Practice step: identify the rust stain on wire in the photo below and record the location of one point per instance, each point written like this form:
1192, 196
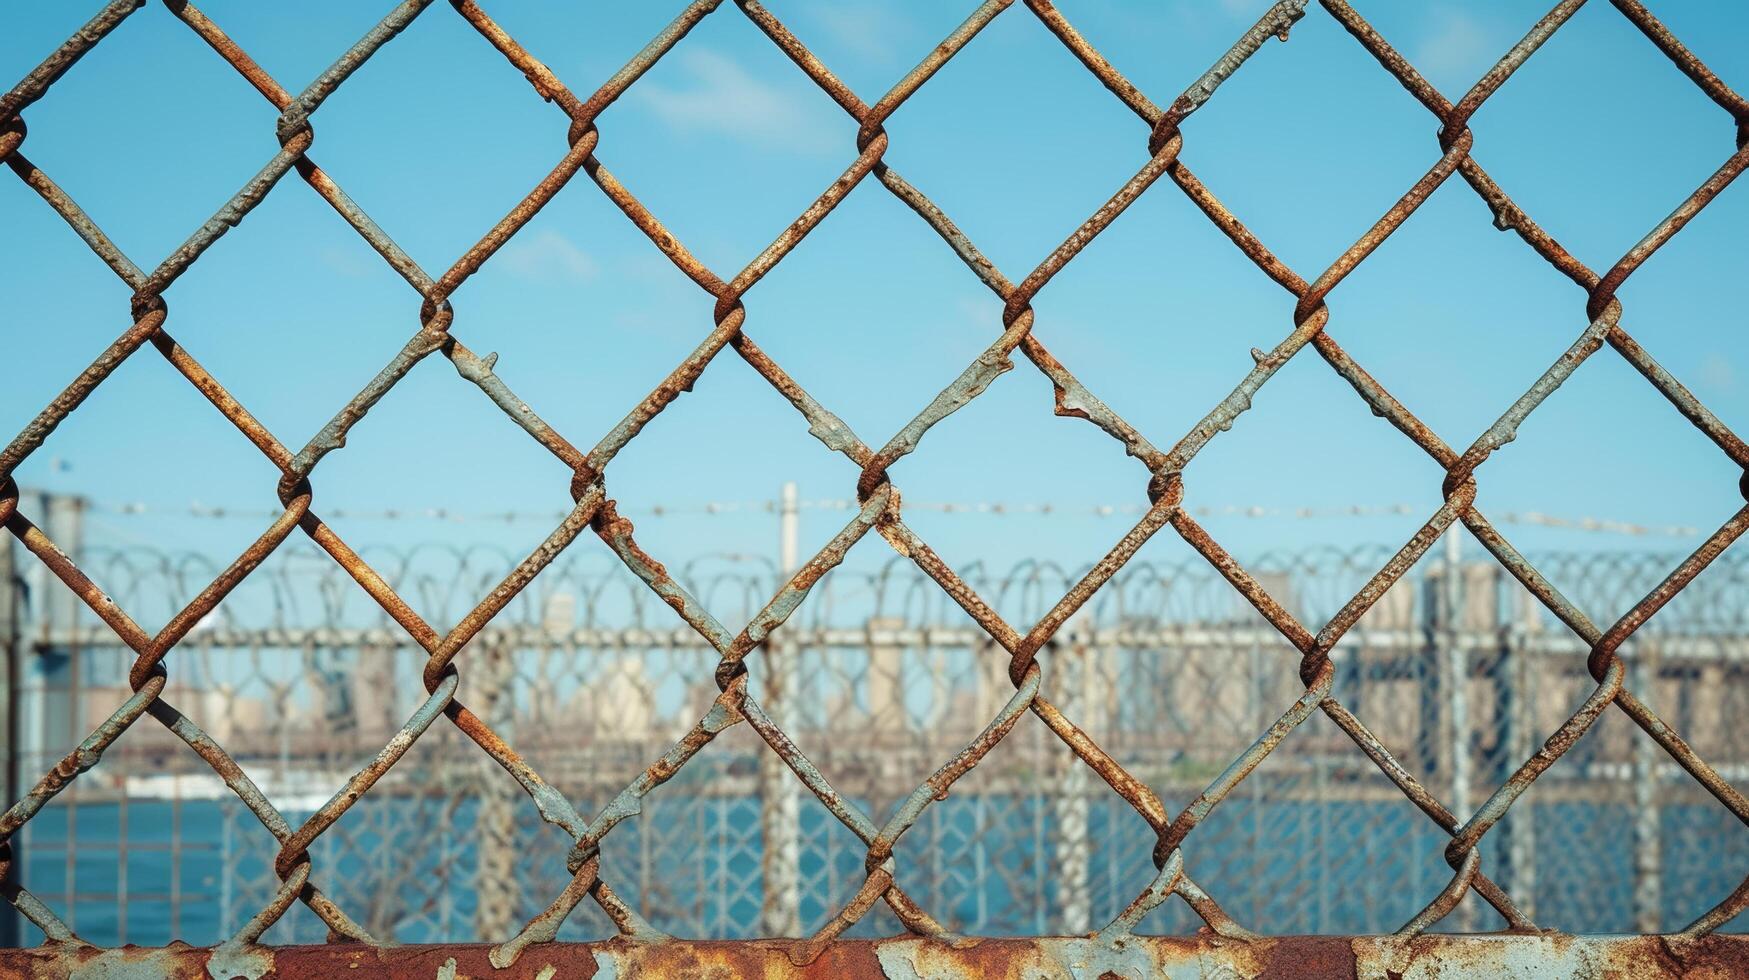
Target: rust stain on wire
1164, 147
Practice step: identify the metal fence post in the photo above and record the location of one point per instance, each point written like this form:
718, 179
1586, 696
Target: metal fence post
780, 911
12, 649
54, 718
495, 882
1518, 676
1648, 818
1069, 830
1454, 728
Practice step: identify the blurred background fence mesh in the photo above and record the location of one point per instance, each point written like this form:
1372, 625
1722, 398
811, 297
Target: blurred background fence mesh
300, 676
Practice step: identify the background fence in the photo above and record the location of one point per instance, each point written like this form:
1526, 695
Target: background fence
878, 681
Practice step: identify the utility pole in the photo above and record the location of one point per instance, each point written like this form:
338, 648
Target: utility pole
780, 804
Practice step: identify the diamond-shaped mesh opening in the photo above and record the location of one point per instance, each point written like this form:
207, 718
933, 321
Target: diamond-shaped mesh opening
694, 860
1386, 316
583, 277
1597, 789
1141, 302
1302, 408
447, 444
355, 317
1606, 415
1318, 839
444, 79
725, 95
156, 497
956, 141
1277, 132
395, 893
1064, 518
982, 858
1556, 164
159, 194
713, 463
818, 316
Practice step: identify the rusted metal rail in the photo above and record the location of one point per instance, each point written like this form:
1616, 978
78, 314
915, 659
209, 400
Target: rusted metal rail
911, 958
1163, 476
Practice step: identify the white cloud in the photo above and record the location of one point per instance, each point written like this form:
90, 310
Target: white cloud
349, 262
719, 96
868, 31
547, 256
1456, 50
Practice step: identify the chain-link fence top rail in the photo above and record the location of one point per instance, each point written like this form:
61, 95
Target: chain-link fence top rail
881, 508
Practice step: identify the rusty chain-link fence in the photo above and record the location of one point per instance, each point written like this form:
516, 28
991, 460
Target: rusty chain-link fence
450, 651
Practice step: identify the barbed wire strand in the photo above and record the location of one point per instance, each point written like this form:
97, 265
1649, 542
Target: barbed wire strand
711, 508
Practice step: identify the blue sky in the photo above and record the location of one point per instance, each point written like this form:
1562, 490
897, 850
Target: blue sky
1598, 137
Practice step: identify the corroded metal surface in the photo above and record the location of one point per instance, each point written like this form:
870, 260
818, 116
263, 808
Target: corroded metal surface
1163, 479
1546, 956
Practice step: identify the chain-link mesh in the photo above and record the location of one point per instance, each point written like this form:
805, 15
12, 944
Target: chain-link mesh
882, 833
